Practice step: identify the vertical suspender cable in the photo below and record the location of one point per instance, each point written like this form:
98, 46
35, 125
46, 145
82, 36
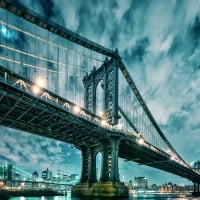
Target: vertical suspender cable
67, 79
6, 53
47, 75
57, 68
36, 44
73, 78
20, 69
75, 74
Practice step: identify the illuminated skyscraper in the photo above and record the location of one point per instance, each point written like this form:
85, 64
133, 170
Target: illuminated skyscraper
140, 183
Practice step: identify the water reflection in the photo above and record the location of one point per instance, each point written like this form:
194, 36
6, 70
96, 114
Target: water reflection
132, 197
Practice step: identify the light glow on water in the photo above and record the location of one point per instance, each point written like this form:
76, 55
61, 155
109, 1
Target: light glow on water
157, 196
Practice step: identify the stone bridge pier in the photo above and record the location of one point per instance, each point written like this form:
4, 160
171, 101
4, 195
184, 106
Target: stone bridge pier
109, 184
196, 188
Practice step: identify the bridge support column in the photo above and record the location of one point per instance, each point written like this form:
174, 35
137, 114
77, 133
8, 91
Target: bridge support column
92, 177
109, 184
105, 171
84, 170
196, 191
114, 176
88, 172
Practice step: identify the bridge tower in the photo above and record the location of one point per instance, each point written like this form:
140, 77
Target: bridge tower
107, 75
109, 183
196, 187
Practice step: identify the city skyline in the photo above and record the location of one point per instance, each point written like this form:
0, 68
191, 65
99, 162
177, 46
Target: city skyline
159, 42
60, 175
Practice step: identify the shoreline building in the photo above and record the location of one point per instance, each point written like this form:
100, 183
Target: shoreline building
140, 183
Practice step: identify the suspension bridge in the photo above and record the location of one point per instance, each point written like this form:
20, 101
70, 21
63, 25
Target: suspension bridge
60, 85
17, 182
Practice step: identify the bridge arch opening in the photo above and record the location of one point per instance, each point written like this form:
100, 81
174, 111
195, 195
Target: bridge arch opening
98, 165
99, 98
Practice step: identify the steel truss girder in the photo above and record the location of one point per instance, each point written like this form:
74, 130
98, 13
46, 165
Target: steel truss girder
64, 119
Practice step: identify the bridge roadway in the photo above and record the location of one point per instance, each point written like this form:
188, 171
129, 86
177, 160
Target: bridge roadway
49, 115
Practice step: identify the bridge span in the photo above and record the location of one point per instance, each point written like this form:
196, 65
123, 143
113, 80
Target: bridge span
54, 117
81, 78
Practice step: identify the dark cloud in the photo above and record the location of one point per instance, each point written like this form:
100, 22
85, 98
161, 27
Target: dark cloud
10, 147
23, 157
198, 97
140, 49
176, 124
195, 30
176, 46
47, 8
95, 22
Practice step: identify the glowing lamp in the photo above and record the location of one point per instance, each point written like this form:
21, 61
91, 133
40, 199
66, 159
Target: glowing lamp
103, 122
101, 113
76, 109
40, 82
36, 89
172, 158
141, 141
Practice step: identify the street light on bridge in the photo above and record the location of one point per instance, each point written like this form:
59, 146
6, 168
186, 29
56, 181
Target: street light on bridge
1, 184
36, 89
40, 83
76, 109
172, 158
101, 113
103, 122
141, 141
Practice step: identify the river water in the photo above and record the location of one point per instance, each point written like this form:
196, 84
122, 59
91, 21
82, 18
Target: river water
131, 197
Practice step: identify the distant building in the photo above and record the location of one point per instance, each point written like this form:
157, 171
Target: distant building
3, 171
6, 171
50, 177
73, 177
16, 176
60, 174
140, 183
65, 177
130, 184
35, 175
45, 174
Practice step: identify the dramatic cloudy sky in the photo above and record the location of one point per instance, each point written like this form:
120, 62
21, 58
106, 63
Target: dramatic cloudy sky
159, 41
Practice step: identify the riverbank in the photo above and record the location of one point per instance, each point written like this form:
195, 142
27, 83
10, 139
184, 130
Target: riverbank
8, 193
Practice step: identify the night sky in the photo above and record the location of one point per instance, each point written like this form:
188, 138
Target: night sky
159, 42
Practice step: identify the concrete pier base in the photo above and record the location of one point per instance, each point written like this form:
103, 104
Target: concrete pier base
101, 189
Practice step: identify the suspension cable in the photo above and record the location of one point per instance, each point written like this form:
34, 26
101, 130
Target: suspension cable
47, 41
